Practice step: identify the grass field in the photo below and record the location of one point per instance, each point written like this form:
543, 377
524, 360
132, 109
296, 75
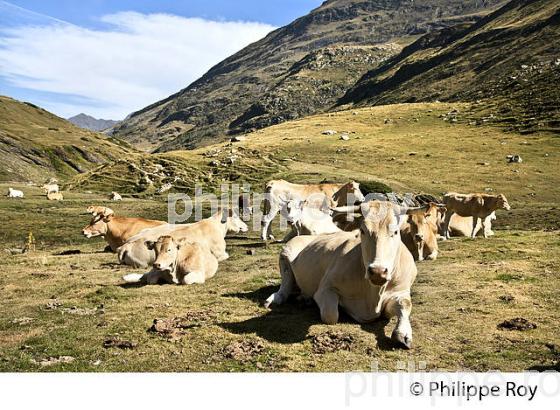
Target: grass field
73, 313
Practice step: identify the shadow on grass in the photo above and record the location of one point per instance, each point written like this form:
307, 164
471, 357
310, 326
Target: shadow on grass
290, 322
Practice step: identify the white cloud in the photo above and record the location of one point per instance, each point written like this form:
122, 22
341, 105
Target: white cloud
137, 60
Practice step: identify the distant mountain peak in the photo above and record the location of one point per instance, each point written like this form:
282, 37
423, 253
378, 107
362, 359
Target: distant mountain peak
91, 123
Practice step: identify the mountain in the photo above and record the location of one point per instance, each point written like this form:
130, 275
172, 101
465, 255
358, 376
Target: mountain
509, 59
300, 69
36, 145
90, 123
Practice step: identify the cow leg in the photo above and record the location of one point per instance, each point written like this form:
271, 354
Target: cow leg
484, 228
194, 277
287, 285
400, 306
474, 225
448, 216
271, 210
421, 251
327, 300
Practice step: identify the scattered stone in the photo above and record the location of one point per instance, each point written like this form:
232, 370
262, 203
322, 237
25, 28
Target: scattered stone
412, 153
329, 132
514, 159
484, 164
111, 342
332, 341
344, 137
506, 298
251, 252
14, 251
69, 252
214, 163
518, 323
388, 121
49, 361
53, 304
239, 138
244, 350
22, 321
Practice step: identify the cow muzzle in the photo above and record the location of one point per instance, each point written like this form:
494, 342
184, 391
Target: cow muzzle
378, 275
418, 237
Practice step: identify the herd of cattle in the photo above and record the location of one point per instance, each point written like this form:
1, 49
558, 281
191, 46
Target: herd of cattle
344, 249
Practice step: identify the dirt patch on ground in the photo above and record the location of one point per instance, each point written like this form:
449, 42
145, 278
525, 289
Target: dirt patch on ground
118, 343
244, 350
518, 323
74, 310
332, 341
175, 328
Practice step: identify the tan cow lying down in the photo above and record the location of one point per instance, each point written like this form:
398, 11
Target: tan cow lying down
98, 210
211, 232
419, 234
462, 225
177, 261
368, 272
55, 196
116, 229
279, 192
479, 206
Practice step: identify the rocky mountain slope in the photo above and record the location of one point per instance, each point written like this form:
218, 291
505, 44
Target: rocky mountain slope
297, 70
36, 145
510, 59
90, 123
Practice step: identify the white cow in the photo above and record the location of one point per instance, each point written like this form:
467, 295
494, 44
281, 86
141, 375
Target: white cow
14, 193
305, 219
115, 196
278, 192
368, 272
51, 188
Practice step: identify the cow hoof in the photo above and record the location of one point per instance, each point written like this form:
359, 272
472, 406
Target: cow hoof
404, 341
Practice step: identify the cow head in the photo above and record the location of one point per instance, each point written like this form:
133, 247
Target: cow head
97, 226
292, 211
349, 194
99, 210
423, 229
166, 249
503, 202
233, 222
380, 225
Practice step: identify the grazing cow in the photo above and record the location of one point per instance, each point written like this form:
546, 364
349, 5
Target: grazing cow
419, 234
462, 225
50, 188
177, 261
478, 206
279, 192
115, 196
210, 232
55, 196
98, 210
14, 193
116, 230
368, 272
307, 220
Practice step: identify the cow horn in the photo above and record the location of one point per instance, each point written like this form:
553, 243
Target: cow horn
346, 209
403, 210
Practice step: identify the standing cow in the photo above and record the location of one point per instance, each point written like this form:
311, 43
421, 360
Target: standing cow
479, 206
279, 192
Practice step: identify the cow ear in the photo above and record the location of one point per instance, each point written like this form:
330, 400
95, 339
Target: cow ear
150, 245
180, 242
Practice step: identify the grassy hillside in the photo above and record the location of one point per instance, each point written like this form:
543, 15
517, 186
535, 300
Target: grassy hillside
36, 145
297, 70
70, 305
510, 59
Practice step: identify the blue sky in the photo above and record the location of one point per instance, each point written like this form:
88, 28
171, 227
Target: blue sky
109, 58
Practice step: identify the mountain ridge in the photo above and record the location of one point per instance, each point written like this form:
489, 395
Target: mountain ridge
248, 90
91, 123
